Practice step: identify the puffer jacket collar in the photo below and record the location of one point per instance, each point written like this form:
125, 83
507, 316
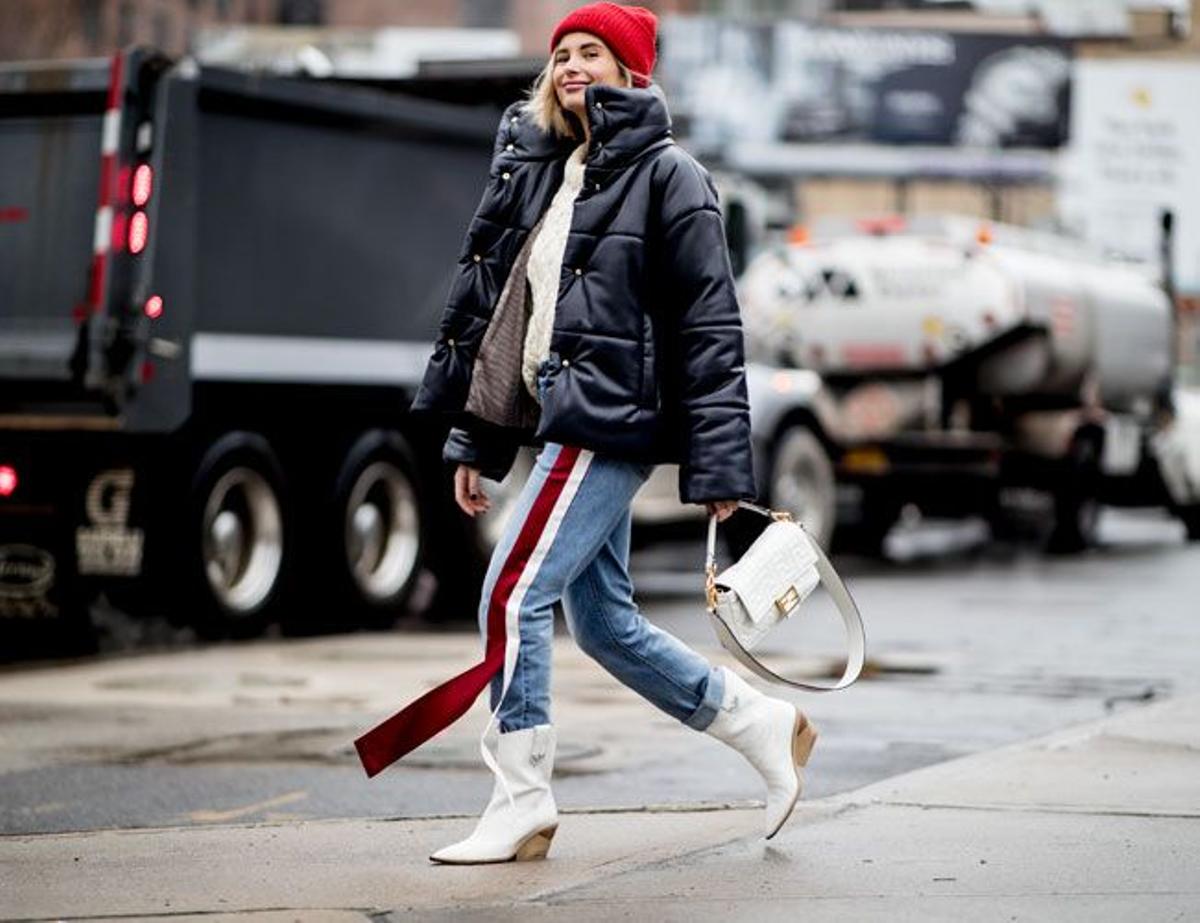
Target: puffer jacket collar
626, 124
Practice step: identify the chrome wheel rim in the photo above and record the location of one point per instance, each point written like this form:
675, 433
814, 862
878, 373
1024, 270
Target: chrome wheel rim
242, 540
1089, 520
803, 484
382, 531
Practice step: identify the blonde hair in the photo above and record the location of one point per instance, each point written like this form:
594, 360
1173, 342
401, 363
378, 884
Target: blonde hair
541, 102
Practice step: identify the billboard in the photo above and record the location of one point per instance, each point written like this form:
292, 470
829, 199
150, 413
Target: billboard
732, 81
1135, 151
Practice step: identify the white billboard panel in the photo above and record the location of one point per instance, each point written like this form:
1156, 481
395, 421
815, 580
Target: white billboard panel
1135, 151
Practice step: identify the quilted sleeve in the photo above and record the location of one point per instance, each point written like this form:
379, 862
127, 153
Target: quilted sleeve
709, 360
491, 453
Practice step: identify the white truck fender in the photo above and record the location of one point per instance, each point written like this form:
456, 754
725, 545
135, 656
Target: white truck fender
1177, 448
775, 392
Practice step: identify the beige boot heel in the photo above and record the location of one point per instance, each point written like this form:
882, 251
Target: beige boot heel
536, 846
803, 737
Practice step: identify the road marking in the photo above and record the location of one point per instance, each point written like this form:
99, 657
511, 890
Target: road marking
218, 816
44, 807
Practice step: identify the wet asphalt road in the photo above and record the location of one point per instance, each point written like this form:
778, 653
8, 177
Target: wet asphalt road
973, 645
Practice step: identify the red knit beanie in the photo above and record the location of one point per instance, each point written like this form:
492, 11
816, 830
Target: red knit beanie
628, 30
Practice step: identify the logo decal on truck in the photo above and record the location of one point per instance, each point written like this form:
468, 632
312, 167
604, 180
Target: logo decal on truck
26, 576
108, 545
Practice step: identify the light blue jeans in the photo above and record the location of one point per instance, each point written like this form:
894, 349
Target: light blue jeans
585, 563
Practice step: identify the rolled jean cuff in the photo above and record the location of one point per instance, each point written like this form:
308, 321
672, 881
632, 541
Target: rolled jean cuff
706, 711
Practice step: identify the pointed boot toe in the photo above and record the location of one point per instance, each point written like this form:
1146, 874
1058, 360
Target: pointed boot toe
478, 851
782, 797
522, 828
774, 736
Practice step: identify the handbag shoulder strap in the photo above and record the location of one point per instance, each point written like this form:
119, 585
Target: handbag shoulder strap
856, 642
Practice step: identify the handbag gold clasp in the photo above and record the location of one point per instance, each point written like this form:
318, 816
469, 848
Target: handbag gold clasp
710, 587
788, 601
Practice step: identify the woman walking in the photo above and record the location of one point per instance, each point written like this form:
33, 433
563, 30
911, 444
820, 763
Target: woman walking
593, 313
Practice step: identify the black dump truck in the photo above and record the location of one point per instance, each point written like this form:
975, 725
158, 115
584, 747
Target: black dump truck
218, 291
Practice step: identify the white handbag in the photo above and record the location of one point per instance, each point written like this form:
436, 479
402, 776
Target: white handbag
767, 585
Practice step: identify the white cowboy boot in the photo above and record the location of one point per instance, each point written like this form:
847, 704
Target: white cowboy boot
523, 829
775, 738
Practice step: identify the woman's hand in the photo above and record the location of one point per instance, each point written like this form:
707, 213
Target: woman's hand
723, 508
467, 492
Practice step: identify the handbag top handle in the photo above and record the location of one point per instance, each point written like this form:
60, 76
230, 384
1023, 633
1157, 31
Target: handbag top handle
851, 618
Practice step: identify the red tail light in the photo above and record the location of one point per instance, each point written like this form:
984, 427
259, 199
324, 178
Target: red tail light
885, 224
8, 480
143, 184
153, 306
139, 228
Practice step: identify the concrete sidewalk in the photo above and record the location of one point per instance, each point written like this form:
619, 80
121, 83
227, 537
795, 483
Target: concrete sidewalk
1101, 822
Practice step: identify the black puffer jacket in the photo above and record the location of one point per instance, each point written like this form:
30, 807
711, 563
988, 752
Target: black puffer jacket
646, 349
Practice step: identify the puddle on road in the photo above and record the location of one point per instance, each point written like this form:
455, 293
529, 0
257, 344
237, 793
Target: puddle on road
874, 668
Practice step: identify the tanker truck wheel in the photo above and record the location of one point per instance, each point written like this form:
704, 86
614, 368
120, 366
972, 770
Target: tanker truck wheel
1076, 509
1190, 517
234, 546
374, 536
802, 482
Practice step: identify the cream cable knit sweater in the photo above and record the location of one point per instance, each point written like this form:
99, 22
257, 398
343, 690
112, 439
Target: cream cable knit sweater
545, 267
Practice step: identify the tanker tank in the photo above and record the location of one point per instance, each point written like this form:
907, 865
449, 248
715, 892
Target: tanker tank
1018, 313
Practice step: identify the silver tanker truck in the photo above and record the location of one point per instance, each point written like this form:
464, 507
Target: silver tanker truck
953, 366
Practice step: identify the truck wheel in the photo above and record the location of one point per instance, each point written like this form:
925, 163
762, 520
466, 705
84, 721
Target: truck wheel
1190, 517
237, 543
1076, 509
802, 482
378, 528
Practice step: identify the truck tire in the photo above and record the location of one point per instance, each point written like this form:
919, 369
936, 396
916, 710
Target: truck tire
802, 482
1190, 517
376, 531
235, 541
1076, 507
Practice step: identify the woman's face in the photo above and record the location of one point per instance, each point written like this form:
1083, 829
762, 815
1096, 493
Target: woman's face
581, 59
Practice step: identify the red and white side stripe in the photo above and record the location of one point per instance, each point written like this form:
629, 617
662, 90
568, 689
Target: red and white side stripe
109, 137
576, 462
441, 706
